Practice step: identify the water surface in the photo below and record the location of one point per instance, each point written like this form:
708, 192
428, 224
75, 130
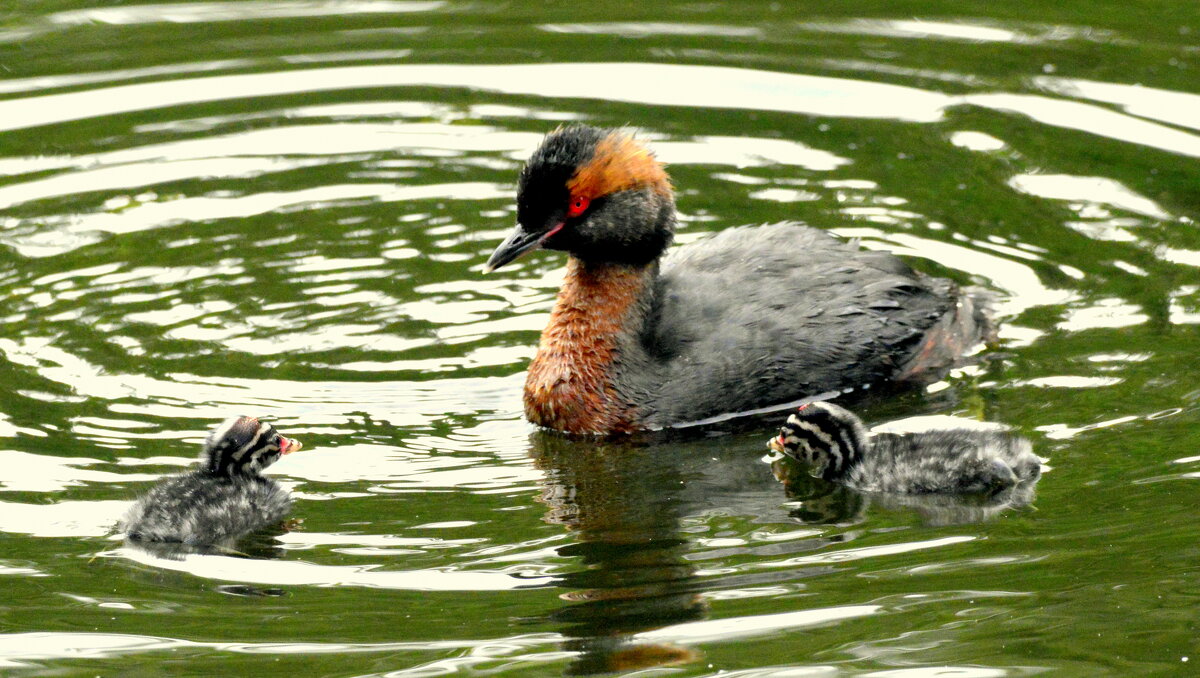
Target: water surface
284, 208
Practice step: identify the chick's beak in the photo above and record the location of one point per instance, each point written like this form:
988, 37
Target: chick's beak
289, 445
517, 243
776, 444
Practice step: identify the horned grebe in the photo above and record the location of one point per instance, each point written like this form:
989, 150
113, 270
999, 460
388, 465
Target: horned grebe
753, 317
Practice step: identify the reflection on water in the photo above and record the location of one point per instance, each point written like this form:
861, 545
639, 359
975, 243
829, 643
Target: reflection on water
623, 504
259, 544
230, 568
642, 575
285, 206
820, 501
206, 12
643, 83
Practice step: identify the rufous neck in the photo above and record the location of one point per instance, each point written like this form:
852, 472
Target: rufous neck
571, 381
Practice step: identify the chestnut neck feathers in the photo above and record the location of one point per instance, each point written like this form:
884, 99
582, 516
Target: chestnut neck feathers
601, 196
570, 383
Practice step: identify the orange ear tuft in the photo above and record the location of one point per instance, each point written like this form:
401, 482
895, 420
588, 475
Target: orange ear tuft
619, 163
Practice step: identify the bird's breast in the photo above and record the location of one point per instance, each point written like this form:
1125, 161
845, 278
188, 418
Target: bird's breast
572, 384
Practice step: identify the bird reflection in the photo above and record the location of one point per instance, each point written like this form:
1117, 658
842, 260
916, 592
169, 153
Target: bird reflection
624, 504
260, 544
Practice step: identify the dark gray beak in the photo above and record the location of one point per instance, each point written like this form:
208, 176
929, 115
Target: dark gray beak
517, 243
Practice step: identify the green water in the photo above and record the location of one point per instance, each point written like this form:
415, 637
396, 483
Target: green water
283, 209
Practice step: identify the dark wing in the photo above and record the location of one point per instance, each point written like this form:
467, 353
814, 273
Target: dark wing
757, 316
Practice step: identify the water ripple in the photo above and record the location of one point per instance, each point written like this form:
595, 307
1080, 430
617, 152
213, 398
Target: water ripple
207, 12
704, 86
299, 573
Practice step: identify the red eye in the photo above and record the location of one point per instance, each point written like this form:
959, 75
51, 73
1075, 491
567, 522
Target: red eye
577, 206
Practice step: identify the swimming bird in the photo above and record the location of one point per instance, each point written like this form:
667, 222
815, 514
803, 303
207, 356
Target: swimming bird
225, 498
753, 317
833, 444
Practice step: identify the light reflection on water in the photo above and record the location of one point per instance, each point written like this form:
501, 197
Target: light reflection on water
1176, 108
653, 84
211, 245
299, 573
16, 648
703, 86
206, 12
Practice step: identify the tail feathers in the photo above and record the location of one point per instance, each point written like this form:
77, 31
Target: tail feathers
982, 307
1030, 469
953, 336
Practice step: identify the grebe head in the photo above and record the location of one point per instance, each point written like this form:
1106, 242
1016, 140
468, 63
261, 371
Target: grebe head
244, 446
827, 438
598, 194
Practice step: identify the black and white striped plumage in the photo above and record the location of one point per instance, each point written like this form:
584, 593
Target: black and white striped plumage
833, 443
225, 498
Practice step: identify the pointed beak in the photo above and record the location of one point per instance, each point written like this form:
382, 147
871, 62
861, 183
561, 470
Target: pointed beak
517, 243
289, 445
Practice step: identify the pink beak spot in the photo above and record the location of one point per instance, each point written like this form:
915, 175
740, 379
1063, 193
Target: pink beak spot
289, 445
